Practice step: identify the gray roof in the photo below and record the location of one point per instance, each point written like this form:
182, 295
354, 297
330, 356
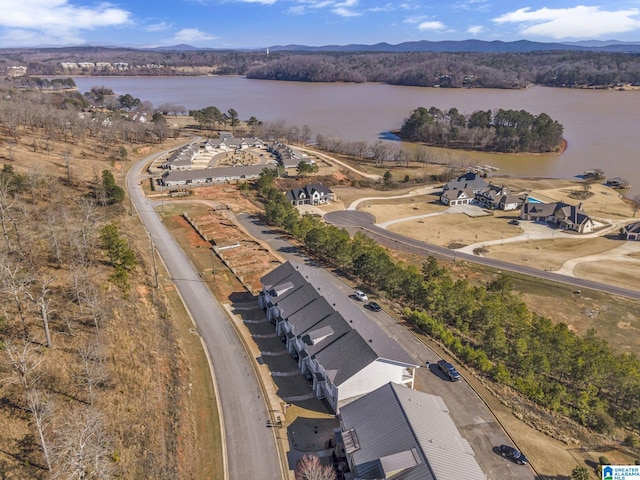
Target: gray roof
213, 173
339, 334
468, 180
307, 192
398, 433
295, 299
311, 314
277, 275
380, 342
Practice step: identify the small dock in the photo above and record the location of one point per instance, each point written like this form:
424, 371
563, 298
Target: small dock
618, 182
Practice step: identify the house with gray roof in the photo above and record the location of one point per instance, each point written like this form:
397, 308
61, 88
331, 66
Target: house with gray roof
538, 212
287, 156
397, 433
632, 231
454, 197
182, 158
341, 351
572, 217
567, 217
312, 194
498, 197
469, 180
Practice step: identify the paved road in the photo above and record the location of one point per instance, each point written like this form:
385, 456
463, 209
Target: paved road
250, 446
470, 414
365, 222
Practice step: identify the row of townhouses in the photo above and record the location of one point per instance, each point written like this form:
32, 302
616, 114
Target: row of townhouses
336, 345
387, 430
180, 172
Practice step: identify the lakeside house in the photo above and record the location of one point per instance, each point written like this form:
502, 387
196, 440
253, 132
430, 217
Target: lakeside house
397, 433
340, 350
565, 216
471, 188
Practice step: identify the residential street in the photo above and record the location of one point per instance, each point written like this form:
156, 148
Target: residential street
250, 446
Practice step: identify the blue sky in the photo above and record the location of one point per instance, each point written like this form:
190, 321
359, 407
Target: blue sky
262, 23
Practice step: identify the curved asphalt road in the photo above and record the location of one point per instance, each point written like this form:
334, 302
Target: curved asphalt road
365, 222
251, 450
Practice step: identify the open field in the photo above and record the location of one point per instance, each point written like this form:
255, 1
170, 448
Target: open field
456, 230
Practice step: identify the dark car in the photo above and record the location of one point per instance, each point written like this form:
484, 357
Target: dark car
514, 221
449, 370
513, 454
373, 306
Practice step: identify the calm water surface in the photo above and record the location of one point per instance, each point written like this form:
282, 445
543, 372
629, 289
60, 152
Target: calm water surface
602, 127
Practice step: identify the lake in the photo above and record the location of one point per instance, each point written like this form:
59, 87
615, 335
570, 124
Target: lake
601, 126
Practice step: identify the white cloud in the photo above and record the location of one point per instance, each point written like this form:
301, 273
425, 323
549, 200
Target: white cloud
32, 22
474, 5
432, 25
262, 2
414, 20
192, 35
475, 30
576, 22
158, 27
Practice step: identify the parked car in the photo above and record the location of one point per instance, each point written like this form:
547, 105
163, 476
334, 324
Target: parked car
449, 370
513, 454
360, 295
373, 306
514, 221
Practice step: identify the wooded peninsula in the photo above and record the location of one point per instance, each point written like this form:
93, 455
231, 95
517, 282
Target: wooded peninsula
507, 131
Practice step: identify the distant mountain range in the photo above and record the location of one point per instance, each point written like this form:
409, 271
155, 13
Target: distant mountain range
470, 46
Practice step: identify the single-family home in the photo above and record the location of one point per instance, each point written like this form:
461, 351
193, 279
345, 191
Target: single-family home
469, 180
571, 217
457, 197
567, 217
312, 194
538, 212
342, 352
396, 433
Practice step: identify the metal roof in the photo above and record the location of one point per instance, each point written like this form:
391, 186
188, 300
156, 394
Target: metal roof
394, 420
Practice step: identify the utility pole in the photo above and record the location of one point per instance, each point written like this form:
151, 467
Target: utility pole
213, 265
155, 267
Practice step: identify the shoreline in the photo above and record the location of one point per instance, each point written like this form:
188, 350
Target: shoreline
560, 149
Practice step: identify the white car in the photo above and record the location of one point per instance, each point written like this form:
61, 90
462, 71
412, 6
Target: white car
360, 295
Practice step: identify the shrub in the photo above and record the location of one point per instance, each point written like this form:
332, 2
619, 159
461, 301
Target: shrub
604, 460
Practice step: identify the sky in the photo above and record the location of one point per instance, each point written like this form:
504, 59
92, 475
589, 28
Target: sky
263, 23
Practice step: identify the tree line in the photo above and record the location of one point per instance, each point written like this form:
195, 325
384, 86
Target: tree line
455, 70
428, 69
488, 327
510, 131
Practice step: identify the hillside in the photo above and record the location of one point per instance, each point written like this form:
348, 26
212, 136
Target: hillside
94, 368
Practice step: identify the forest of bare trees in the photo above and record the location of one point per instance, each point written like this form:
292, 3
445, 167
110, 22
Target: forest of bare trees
81, 393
